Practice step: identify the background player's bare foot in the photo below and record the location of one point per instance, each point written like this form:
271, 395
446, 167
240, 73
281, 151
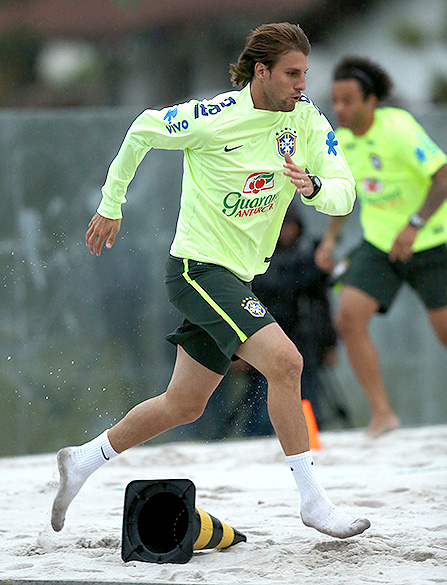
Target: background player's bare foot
381, 425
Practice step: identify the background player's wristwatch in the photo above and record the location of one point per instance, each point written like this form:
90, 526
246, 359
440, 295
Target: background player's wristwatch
417, 221
316, 182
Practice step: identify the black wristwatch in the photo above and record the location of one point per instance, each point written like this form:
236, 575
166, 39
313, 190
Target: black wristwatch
316, 182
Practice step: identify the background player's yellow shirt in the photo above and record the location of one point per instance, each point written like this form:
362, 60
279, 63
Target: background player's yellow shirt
392, 164
234, 192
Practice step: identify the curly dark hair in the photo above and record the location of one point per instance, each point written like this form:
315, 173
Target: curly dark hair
265, 45
372, 78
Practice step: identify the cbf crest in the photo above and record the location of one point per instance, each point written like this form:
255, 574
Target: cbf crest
286, 141
253, 306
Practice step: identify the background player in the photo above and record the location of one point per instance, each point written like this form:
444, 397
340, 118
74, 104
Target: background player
401, 181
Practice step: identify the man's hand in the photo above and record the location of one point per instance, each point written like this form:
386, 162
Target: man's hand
100, 230
403, 244
298, 177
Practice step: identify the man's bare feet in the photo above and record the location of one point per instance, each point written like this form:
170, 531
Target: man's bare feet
381, 425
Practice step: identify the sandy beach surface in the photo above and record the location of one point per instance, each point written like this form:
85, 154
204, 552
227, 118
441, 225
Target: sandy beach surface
398, 481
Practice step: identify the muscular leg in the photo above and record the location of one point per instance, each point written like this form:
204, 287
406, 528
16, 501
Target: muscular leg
184, 401
271, 352
355, 311
438, 320
188, 392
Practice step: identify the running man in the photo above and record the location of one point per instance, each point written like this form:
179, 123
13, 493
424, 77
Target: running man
245, 154
401, 180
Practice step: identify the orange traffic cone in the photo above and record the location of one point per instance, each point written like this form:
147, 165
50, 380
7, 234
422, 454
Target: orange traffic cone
312, 427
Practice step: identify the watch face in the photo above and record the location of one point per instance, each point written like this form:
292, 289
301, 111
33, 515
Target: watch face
416, 221
317, 184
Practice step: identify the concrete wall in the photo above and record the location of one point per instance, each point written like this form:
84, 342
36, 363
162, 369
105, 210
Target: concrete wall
81, 338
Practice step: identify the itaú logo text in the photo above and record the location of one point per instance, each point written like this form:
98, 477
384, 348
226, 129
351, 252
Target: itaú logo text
259, 182
234, 204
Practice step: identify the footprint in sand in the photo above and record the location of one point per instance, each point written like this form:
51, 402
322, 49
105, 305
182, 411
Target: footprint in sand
369, 503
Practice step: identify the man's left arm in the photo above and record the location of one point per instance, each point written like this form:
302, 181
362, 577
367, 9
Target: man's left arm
326, 160
402, 248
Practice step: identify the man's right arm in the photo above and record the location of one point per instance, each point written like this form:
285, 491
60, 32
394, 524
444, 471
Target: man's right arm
324, 254
150, 130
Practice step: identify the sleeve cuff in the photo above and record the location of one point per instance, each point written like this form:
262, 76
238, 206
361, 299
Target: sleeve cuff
109, 209
311, 200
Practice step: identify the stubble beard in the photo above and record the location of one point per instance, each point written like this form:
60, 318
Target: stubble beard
278, 105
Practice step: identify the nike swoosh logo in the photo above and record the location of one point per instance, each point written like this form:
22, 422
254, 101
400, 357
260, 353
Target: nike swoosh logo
104, 455
234, 148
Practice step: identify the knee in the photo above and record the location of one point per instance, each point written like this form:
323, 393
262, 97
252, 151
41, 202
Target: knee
286, 366
189, 413
346, 323
184, 411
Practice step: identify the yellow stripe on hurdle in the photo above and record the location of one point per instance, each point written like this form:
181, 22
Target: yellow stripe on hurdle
228, 536
206, 530
212, 302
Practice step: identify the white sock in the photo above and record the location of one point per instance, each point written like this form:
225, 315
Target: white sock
90, 456
75, 465
302, 466
317, 510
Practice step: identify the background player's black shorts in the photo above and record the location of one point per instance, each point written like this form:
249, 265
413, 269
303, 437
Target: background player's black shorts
370, 270
220, 311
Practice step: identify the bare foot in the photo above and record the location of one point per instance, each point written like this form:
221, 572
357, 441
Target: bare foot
382, 425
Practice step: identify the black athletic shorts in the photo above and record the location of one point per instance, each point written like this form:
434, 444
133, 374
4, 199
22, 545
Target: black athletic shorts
370, 270
220, 311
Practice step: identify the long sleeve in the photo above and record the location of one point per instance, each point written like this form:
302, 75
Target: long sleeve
170, 129
327, 160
